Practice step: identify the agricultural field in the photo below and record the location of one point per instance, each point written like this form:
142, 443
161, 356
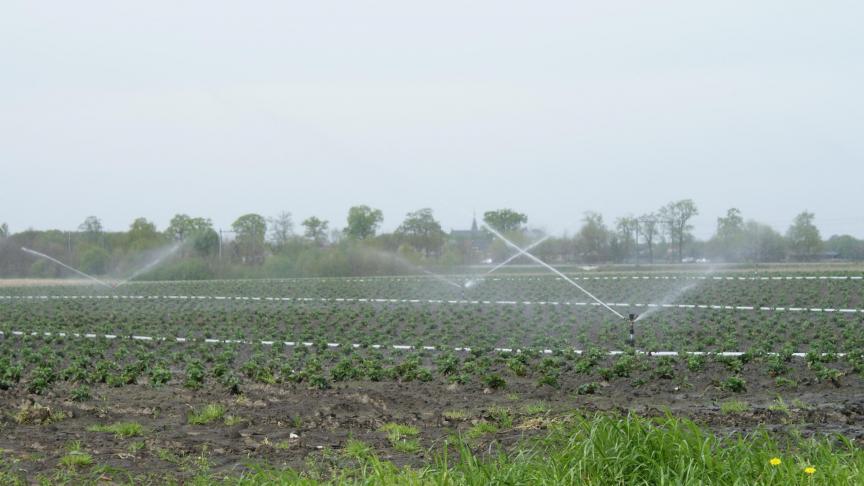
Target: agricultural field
154, 380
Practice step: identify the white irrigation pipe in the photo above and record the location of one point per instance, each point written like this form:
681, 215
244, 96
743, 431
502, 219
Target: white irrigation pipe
397, 347
434, 301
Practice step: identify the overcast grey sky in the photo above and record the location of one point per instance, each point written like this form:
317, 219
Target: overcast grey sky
216, 109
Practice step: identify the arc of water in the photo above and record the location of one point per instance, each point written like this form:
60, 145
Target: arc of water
553, 270
150, 265
440, 278
58, 262
518, 254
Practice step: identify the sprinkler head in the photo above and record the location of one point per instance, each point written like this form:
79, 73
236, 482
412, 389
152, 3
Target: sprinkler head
633, 317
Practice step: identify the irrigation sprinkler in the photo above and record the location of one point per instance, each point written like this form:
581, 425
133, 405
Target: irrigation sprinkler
632, 317
632, 339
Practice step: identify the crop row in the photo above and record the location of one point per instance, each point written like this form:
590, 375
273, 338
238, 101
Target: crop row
48, 365
758, 293
420, 324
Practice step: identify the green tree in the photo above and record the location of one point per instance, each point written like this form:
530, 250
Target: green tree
729, 239
179, 227
846, 246
422, 231
648, 228
4, 230
676, 215
505, 220
592, 240
803, 237
316, 230
250, 231
183, 226
94, 260
143, 235
763, 243
363, 222
205, 242
199, 231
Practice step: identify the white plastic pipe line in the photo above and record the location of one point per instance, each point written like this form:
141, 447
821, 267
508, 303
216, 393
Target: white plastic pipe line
398, 347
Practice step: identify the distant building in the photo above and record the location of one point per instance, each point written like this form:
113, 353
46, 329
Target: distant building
473, 241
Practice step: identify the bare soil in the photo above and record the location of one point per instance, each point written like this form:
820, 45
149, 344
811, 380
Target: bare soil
290, 425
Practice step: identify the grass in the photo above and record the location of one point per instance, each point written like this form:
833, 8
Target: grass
400, 437
136, 446
538, 408
455, 415
407, 446
610, 450
233, 420
594, 450
398, 431
209, 414
480, 429
76, 457
357, 449
119, 429
800, 405
778, 405
733, 406
502, 416
37, 414
167, 455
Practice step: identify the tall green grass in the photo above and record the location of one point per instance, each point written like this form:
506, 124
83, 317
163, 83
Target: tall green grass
610, 450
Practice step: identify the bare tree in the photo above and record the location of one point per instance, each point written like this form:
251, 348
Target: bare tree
648, 228
677, 216
628, 231
281, 229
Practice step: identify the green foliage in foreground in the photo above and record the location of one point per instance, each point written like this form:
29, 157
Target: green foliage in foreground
595, 450
605, 450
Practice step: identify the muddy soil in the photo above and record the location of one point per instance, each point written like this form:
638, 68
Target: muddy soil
290, 425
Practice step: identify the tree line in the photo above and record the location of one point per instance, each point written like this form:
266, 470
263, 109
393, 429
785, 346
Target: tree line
259, 246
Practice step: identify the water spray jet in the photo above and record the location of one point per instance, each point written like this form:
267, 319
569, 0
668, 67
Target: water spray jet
554, 270
165, 254
474, 281
79, 272
405, 263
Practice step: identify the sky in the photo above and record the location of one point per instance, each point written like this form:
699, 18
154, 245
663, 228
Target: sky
552, 108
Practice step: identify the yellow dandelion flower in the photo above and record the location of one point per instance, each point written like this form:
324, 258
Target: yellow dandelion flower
775, 461
809, 469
